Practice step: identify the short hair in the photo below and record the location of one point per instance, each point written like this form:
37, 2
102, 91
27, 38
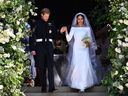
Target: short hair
45, 10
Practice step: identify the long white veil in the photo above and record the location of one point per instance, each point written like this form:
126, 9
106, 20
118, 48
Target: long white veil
93, 47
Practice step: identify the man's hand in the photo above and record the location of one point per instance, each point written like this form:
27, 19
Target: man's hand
33, 52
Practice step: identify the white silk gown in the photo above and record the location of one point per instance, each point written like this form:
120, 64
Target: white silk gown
81, 74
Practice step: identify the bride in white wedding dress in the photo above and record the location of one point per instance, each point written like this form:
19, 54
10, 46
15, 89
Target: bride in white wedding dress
81, 74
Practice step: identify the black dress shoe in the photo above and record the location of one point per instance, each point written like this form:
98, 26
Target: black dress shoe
43, 90
51, 90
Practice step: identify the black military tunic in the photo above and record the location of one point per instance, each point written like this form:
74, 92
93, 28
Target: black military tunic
42, 42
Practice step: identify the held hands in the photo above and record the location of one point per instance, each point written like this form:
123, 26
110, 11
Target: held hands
63, 29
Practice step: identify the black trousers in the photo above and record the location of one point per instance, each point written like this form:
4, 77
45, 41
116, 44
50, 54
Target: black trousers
44, 61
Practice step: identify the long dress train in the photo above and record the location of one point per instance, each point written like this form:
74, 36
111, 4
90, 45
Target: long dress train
81, 74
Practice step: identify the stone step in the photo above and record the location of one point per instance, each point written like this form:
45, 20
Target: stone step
63, 89
66, 94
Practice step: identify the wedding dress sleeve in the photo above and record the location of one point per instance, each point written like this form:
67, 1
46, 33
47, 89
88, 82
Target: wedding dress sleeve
69, 35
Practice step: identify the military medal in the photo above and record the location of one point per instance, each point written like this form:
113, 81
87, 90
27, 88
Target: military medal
50, 31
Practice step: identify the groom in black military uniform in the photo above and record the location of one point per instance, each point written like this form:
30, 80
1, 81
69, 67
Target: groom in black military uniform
41, 47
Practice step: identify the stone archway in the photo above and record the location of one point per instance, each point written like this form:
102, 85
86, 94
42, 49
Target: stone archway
62, 14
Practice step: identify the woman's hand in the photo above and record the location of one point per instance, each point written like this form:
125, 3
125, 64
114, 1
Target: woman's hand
87, 44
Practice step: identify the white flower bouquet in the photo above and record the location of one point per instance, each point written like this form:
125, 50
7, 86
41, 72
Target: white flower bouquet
87, 41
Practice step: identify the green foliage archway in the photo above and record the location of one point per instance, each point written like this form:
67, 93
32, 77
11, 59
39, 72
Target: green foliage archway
13, 21
117, 80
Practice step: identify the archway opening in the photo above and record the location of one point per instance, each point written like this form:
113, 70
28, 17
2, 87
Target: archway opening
64, 10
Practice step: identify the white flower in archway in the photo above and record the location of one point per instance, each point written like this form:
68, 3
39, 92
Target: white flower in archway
127, 64
125, 22
125, 44
121, 21
114, 29
119, 36
1, 86
9, 32
121, 56
126, 85
126, 68
18, 22
126, 39
6, 55
120, 87
118, 50
119, 42
116, 73
111, 41
13, 47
